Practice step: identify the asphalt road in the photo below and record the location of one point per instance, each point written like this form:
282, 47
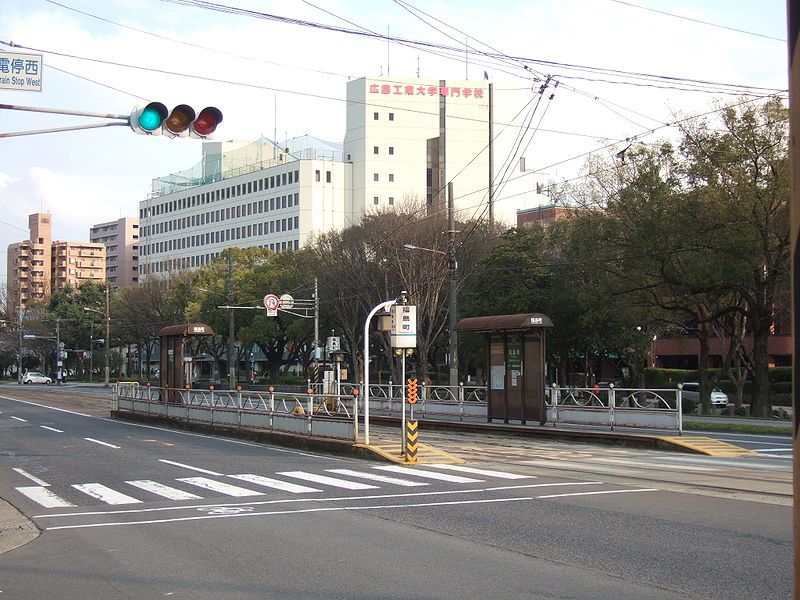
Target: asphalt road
132, 511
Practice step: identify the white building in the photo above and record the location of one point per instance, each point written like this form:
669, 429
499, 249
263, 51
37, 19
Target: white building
275, 203
392, 139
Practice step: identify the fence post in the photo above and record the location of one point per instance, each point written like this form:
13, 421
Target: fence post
355, 412
310, 407
461, 401
679, 407
612, 404
390, 397
424, 396
554, 402
271, 407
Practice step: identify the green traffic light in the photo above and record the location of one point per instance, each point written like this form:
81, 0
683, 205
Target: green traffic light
150, 119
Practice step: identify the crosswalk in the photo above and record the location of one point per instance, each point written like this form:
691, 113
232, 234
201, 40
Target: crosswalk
215, 484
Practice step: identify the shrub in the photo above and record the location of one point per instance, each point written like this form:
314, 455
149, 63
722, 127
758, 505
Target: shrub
668, 378
688, 406
780, 375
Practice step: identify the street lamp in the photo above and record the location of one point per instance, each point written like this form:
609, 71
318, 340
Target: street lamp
108, 338
452, 304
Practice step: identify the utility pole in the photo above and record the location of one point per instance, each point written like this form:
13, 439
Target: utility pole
452, 299
231, 326
316, 329
491, 159
58, 351
19, 355
106, 368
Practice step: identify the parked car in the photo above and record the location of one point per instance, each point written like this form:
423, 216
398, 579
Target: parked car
36, 377
691, 391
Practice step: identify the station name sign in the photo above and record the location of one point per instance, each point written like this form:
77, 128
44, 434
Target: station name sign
20, 71
425, 90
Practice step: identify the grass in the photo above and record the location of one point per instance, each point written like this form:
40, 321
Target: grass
738, 427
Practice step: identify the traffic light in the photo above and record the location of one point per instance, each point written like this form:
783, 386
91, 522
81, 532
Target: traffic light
412, 395
155, 119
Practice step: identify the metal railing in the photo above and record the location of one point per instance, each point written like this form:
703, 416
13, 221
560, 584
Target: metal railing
616, 407
323, 415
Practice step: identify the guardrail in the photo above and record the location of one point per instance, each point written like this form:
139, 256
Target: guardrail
310, 414
616, 407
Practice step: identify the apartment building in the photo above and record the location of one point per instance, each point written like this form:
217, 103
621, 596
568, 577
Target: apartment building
40, 266
121, 241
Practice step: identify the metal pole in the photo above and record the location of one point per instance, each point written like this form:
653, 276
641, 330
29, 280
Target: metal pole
106, 368
404, 387
57, 129
452, 300
19, 357
231, 326
91, 351
58, 351
316, 330
491, 159
365, 395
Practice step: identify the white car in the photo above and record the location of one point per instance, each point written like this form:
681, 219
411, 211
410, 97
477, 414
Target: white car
691, 390
36, 377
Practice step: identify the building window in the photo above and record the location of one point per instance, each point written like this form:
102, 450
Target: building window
374, 116
391, 116
375, 177
375, 200
391, 150
283, 179
391, 176
375, 150
316, 175
297, 222
391, 200
327, 176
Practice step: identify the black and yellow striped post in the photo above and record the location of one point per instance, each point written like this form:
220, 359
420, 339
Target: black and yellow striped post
412, 433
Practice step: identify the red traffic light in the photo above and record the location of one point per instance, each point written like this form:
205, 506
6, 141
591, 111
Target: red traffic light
207, 122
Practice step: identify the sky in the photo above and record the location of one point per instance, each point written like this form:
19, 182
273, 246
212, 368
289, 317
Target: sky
107, 56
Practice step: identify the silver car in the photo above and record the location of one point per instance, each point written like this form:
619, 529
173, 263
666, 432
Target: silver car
691, 390
36, 377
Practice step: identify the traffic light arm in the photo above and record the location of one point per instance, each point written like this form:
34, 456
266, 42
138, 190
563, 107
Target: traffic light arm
124, 119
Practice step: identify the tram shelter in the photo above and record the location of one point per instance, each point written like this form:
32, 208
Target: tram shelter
172, 363
516, 364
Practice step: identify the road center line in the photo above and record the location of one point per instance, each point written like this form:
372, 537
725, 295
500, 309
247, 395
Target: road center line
31, 477
51, 428
190, 467
18, 419
101, 443
596, 493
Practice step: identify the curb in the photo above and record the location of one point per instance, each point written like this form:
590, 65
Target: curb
15, 528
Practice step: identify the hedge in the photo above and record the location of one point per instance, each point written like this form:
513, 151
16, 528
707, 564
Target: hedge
780, 379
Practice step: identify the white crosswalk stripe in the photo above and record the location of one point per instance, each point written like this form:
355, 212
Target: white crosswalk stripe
428, 474
294, 488
162, 490
43, 497
217, 486
483, 472
376, 477
105, 494
332, 481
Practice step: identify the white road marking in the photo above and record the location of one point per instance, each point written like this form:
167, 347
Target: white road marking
33, 478
284, 486
484, 472
163, 490
375, 477
51, 428
773, 449
219, 487
460, 492
238, 514
105, 494
596, 493
70, 412
428, 474
190, 467
18, 419
101, 443
332, 481
43, 497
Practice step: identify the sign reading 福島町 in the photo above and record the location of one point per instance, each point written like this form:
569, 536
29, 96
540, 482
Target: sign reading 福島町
399, 89
20, 71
